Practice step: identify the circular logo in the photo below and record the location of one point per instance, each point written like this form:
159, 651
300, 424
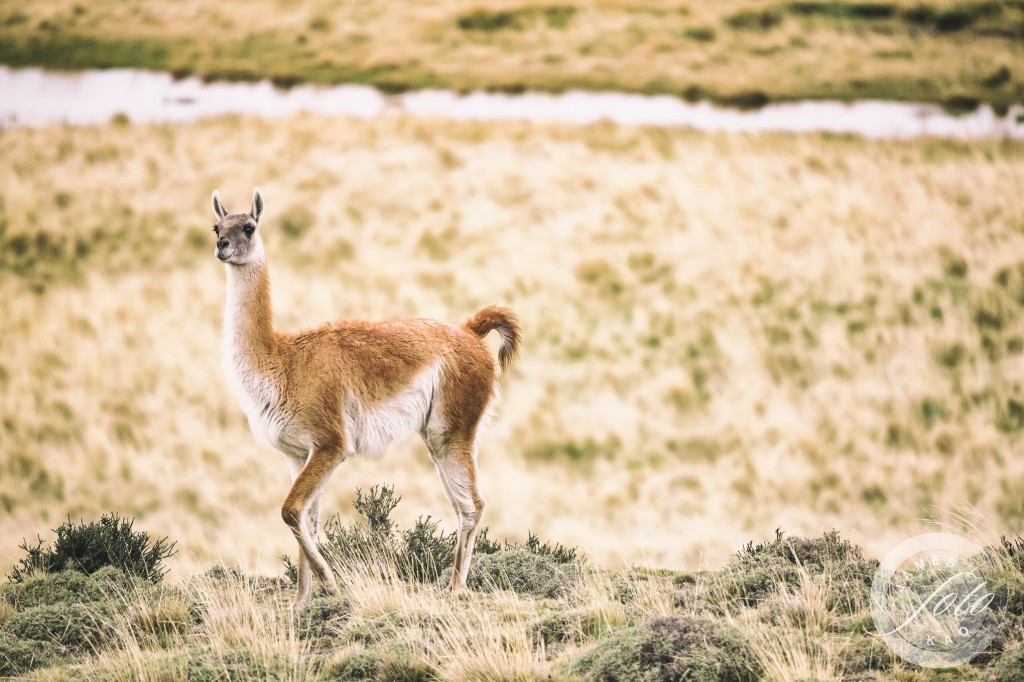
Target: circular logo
933, 602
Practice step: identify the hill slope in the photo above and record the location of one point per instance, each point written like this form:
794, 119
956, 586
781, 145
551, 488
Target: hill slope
738, 52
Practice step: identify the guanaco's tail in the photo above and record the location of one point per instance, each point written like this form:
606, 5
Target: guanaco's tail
507, 324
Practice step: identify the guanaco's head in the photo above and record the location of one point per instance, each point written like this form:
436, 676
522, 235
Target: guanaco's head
238, 236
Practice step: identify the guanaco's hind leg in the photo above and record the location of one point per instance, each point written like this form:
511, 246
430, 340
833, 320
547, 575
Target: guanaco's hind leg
301, 511
456, 467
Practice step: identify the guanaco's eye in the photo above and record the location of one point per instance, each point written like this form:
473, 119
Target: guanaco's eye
216, 230
249, 229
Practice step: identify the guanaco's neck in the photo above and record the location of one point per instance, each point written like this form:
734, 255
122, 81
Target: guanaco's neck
248, 319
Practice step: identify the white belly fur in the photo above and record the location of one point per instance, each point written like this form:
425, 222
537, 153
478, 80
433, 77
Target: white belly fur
368, 431
371, 430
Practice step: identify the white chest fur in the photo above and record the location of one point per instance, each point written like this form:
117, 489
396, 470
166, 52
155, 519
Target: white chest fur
249, 366
257, 397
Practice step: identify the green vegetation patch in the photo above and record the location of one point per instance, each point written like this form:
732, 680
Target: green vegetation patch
845, 10
237, 664
425, 553
1009, 667
67, 587
76, 51
523, 571
385, 665
555, 16
761, 570
89, 547
19, 655
53, 616
985, 19
670, 648
75, 627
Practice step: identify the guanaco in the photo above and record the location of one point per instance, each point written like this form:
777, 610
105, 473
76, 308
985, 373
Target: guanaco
351, 388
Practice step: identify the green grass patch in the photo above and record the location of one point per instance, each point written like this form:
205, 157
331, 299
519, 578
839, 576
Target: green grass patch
845, 10
750, 20
489, 21
287, 59
699, 35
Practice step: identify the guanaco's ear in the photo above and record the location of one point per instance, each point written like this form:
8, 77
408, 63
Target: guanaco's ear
257, 205
218, 208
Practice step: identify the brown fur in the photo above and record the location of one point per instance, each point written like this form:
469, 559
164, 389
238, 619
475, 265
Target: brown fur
507, 324
311, 375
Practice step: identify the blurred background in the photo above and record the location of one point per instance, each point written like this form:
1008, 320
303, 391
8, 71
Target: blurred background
725, 332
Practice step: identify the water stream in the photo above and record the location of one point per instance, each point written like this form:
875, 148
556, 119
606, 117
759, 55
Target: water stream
35, 97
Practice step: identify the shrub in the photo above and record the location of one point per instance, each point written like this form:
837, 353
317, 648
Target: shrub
74, 626
865, 654
382, 665
520, 570
215, 666
18, 656
65, 587
364, 665
758, 570
670, 648
1009, 667
427, 550
1007, 583
88, 547
575, 626
421, 553
323, 616
1014, 549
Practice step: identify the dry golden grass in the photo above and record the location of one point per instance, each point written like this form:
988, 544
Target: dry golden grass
800, 646
737, 51
781, 612
724, 334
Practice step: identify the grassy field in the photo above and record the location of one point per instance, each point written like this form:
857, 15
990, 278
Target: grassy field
785, 610
736, 52
724, 334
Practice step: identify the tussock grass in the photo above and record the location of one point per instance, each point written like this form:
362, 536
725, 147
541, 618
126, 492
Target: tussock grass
736, 52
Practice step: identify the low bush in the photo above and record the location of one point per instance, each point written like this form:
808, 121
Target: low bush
1009, 667
575, 626
67, 587
1008, 587
424, 552
1014, 551
520, 570
89, 547
215, 666
364, 665
19, 656
865, 654
323, 617
758, 571
382, 665
73, 626
670, 649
